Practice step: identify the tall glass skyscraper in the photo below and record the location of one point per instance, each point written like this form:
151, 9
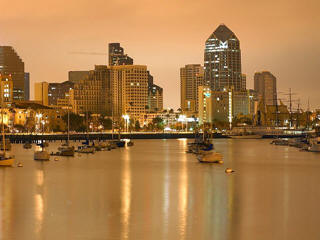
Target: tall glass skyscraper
222, 60
11, 64
117, 56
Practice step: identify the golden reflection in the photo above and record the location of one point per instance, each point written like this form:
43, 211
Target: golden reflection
183, 194
38, 198
126, 196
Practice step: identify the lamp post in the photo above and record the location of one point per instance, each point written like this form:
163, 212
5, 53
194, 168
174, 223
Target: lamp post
126, 119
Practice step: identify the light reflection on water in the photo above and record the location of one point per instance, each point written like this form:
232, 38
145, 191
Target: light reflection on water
154, 190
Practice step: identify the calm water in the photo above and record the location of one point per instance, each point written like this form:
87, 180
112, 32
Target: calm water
155, 190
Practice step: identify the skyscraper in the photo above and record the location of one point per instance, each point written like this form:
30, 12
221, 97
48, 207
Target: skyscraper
11, 63
129, 91
222, 60
265, 84
117, 56
58, 91
191, 77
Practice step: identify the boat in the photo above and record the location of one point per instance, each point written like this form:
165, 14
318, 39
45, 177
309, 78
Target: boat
130, 143
86, 149
65, 149
27, 145
246, 136
210, 157
5, 144
41, 155
5, 158
314, 145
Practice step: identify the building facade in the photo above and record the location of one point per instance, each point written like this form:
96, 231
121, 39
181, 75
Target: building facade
41, 90
129, 91
265, 84
155, 98
6, 90
58, 91
222, 60
26, 86
77, 76
12, 64
191, 77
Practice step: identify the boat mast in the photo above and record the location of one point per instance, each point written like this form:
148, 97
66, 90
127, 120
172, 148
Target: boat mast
68, 120
3, 136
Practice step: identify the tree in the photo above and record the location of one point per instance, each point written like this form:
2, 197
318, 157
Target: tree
158, 123
106, 123
76, 122
137, 125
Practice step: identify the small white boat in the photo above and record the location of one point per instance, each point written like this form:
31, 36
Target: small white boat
210, 157
41, 155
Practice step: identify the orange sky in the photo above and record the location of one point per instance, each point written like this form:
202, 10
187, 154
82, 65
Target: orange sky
280, 36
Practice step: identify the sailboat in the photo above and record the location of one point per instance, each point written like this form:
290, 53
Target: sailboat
86, 148
65, 149
40, 153
5, 158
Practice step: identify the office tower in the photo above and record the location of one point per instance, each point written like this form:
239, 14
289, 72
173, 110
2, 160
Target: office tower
117, 56
155, 98
243, 82
26, 86
93, 94
6, 90
11, 63
41, 92
222, 60
265, 84
191, 77
58, 91
129, 91
77, 76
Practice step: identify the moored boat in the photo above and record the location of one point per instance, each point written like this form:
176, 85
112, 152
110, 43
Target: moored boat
210, 157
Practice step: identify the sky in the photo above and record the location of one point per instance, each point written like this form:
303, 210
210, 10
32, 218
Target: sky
280, 36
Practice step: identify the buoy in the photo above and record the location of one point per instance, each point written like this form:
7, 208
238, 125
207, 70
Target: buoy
20, 164
229, 170
56, 159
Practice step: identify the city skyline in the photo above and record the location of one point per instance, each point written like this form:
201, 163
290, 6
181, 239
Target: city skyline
45, 35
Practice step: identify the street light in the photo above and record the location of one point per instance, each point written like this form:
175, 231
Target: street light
127, 119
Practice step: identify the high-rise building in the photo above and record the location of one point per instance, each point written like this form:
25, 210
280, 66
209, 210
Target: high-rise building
77, 76
93, 94
191, 77
155, 98
41, 93
129, 91
58, 91
11, 63
117, 56
265, 84
26, 86
6, 90
222, 60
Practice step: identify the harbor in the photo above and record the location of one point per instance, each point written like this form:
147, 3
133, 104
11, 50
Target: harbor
155, 190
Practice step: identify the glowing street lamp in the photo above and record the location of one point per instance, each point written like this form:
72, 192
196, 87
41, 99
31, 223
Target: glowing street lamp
127, 119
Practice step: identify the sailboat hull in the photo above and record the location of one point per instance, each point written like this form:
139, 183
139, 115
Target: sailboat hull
41, 156
7, 162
